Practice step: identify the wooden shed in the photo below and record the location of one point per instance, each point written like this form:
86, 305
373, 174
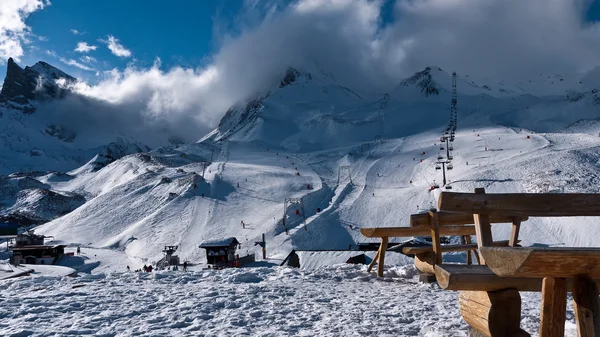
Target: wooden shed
220, 251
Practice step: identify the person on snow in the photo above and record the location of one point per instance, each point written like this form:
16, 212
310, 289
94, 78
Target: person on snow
185, 266
128, 269
243, 224
150, 268
145, 268
78, 250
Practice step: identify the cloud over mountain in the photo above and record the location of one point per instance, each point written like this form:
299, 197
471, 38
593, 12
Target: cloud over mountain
354, 42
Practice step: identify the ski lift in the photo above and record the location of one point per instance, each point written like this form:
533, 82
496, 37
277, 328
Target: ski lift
435, 186
450, 157
441, 147
442, 139
448, 187
451, 148
440, 158
449, 167
437, 167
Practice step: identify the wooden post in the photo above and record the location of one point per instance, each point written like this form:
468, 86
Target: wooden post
467, 240
435, 237
554, 307
514, 234
382, 249
374, 260
483, 229
492, 313
585, 298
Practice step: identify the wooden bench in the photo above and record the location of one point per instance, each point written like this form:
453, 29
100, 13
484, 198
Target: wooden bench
435, 224
488, 290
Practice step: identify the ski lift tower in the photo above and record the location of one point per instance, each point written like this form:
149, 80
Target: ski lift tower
287, 202
443, 163
171, 259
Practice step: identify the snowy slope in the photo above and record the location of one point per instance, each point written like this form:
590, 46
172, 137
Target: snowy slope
361, 162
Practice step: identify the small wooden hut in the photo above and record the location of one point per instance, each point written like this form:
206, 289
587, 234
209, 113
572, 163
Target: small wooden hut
220, 251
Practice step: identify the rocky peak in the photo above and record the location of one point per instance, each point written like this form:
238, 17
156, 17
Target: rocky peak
21, 86
291, 75
423, 80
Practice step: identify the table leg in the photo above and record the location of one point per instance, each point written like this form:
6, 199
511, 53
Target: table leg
554, 307
585, 298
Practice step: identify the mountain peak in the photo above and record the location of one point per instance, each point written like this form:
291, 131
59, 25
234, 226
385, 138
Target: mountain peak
291, 75
21, 86
426, 80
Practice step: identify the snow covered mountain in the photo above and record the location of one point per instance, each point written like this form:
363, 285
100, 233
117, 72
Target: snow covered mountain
42, 127
354, 159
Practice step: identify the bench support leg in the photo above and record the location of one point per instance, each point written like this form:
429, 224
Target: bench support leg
492, 313
374, 260
554, 307
585, 298
382, 249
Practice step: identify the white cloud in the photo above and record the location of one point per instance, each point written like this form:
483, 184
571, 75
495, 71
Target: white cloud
74, 63
51, 53
83, 47
116, 47
76, 32
347, 38
13, 30
87, 59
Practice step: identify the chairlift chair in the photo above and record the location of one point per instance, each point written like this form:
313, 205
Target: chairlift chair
451, 148
448, 187
440, 158
437, 167
449, 167
450, 157
441, 147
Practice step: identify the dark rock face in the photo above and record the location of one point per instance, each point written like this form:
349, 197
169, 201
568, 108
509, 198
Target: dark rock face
424, 81
21, 86
290, 77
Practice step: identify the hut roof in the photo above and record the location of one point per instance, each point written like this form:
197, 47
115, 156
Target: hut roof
222, 242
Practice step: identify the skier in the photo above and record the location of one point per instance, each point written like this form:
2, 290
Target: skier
238, 184
145, 268
185, 266
297, 212
78, 250
150, 268
202, 195
243, 225
128, 269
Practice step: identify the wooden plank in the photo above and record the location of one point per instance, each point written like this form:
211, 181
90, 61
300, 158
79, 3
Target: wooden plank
410, 232
541, 262
514, 233
435, 238
481, 278
493, 314
382, 248
465, 277
586, 304
374, 260
422, 220
554, 307
449, 248
425, 263
483, 229
521, 204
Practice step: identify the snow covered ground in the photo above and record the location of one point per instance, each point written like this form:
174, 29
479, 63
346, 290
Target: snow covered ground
340, 300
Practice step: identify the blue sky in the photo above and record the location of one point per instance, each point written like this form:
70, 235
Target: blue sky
179, 32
